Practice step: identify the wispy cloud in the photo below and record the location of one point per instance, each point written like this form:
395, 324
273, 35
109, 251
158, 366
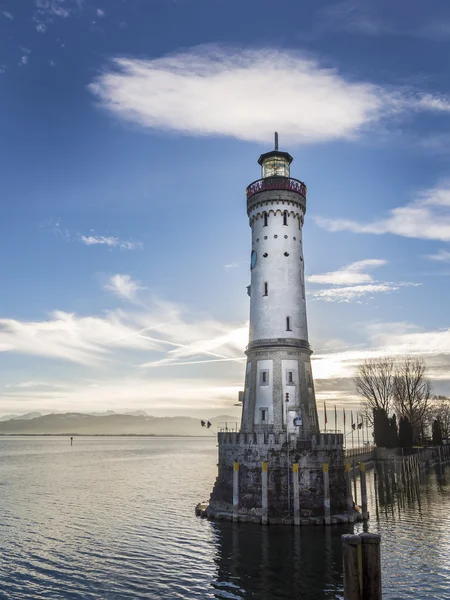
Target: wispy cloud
230, 266
7, 14
35, 385
100, 13
92, 239
353, 282
124, 286
427, 217
375, 19
112, 242
441, 256
165, 331
350, 274
190, 93
355, 292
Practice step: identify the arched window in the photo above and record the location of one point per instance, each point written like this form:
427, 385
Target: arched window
265, 289
265, 219
285, 217
288, 324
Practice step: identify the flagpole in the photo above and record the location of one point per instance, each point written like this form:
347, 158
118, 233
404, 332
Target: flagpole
357, 427
344, 426
335, 418
351, 414
325, 415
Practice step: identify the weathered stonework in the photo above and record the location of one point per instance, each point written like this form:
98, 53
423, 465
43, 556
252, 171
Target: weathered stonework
250, 450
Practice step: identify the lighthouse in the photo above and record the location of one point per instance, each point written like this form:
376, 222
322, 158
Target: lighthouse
279, 390
279, 467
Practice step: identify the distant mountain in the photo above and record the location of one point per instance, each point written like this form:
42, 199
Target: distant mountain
26, 417
112, 424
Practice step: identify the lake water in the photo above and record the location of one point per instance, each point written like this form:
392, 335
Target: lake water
113, 518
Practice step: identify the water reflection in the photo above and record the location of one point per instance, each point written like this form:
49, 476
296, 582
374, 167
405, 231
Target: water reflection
277, 562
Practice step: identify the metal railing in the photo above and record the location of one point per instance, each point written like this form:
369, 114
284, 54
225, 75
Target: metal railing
276, 183
358, 451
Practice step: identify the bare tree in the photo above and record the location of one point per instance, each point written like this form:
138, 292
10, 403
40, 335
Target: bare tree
440, 409
412, 392
375, 383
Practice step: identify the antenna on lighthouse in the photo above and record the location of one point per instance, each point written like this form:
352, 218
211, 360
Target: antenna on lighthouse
276, 140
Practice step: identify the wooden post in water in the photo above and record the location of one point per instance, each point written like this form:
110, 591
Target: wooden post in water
326, 494
265, 493
354, 480
296, 494
352, 559
235, 491
348, 485
362, 475
371, 566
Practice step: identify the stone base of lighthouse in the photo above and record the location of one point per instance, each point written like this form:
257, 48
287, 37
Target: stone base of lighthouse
278, 478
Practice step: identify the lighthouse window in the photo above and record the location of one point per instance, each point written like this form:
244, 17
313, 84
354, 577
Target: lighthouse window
275, 167
285, 215
266, 289
263, 415
288, 324
264, 377
265, 219
290, 377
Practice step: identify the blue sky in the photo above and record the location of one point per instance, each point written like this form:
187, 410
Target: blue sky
129, 131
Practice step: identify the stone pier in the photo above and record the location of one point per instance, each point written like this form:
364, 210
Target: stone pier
256, 452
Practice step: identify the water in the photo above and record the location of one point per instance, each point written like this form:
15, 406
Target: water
113, 518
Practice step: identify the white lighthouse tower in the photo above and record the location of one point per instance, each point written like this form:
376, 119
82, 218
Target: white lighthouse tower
278, 468
279, 390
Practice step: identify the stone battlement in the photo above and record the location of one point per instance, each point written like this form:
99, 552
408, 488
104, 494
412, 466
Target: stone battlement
271, 439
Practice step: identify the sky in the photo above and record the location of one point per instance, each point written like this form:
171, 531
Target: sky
129, 132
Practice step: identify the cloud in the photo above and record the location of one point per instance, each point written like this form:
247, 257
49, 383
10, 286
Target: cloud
441, 256
7, 14
354, 16
214, 91
230, 266
349, 293
163, 330
427, 217
112, 242
124, 287
374, 19
100, 13
34, 384
354, 282
348, 275
54, 225
389, 339
219, 91
161, 396
56, 8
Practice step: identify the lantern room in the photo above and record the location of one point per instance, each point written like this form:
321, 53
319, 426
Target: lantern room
275, 163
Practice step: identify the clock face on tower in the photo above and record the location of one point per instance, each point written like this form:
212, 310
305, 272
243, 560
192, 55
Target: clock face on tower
253, 260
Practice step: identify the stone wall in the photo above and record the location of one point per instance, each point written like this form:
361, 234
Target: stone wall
250, 450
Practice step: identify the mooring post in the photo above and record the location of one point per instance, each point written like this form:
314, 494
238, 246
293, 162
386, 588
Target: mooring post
296, 494
265, 490
371, 566
235, 491
326, 494
362, 475
348, 485
354, 480
352, 558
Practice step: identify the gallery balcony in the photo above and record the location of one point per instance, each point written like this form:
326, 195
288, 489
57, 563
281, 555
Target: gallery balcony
276, 183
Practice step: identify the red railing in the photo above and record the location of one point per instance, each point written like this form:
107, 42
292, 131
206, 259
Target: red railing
276, 183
